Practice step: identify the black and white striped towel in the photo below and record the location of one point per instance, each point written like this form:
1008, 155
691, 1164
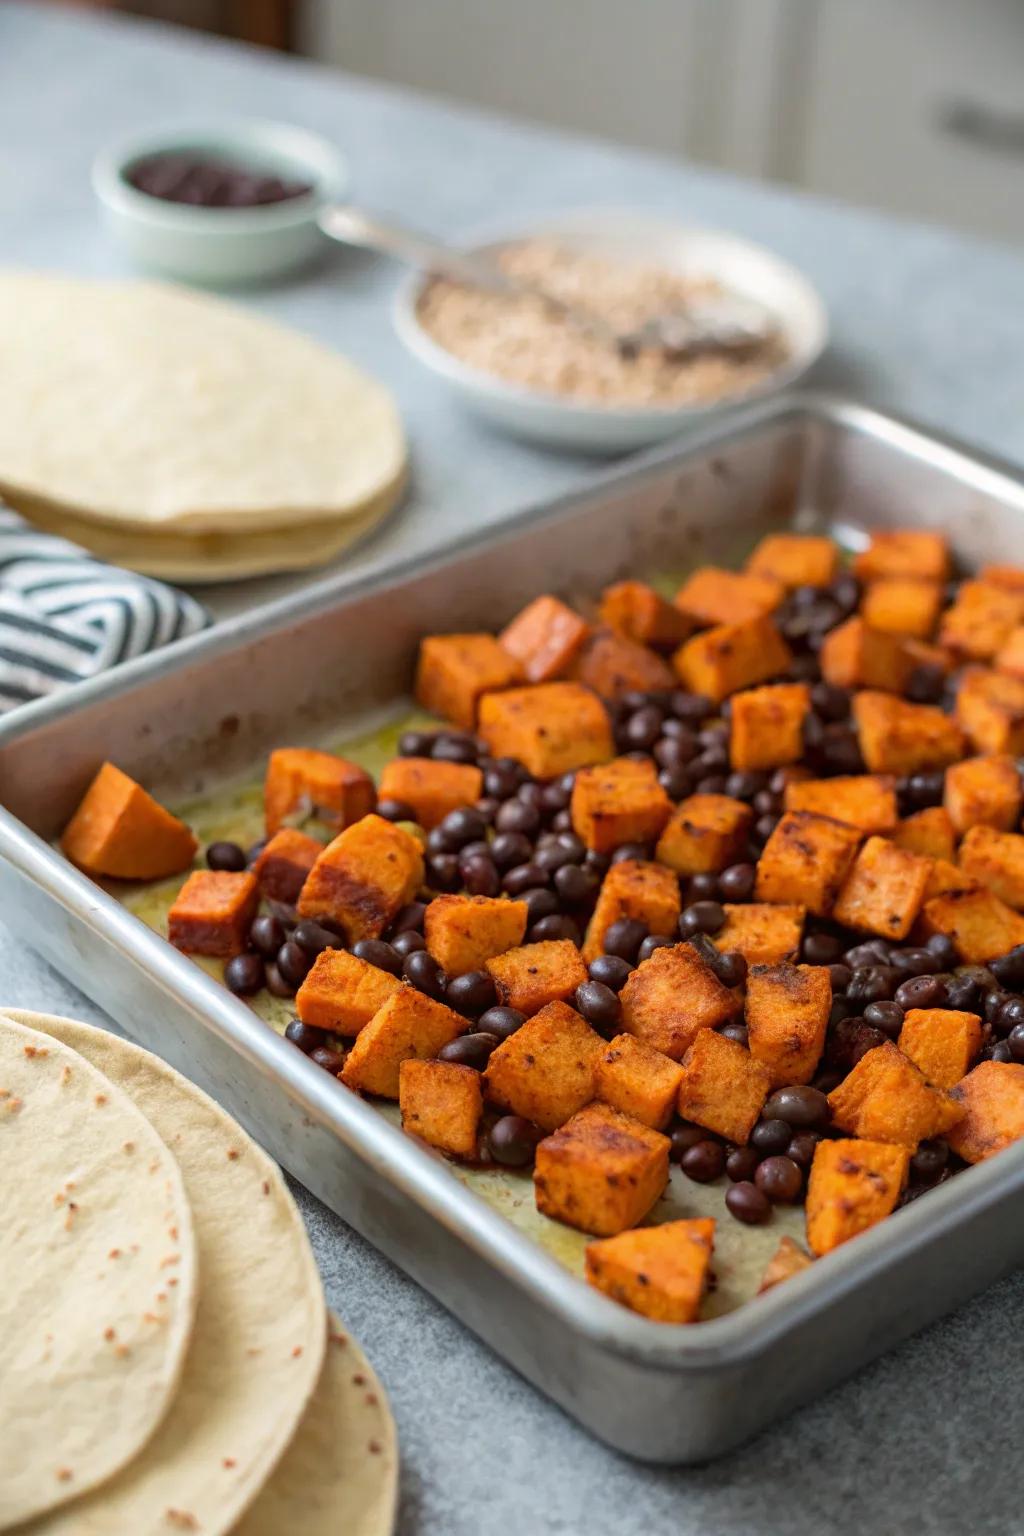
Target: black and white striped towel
65, 616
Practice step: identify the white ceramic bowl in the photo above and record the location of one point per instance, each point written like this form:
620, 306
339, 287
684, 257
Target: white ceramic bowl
747, 270
222, 245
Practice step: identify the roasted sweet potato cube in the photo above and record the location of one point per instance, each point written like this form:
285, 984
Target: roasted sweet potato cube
767, 726
904, 552
730, 657
601, 1172
980, 925
364, 877
530, 977
704, 834
764, 934
407, 1025
995, 859
342, 993
806, 860
983, 792
901, 606
795, 559
639, 1080
942, 1042
884, 890
464, 932
611, 664
670, 998
856, 656
1010, 656
546, 1070
305, 785
864, 800
634, 609
455, 671
120, 831
619, 802
716, 596
552, 728
897, 737
981, 620
442, 1104
213, 912
853, 1185
431, 788
648, 893
928, 832
990, 708
724, 1087
887, 1098
788, 1260
925, 653
286, 860
992, 1100
660, 1272
1009, 576
787, 1009
545, 638
943, 877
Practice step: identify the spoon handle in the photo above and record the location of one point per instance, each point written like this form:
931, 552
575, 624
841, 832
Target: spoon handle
356, 226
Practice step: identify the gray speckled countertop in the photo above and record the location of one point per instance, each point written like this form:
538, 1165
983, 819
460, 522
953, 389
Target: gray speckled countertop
926, 322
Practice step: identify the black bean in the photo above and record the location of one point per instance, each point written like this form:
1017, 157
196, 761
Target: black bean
737, 882
888, 1017
416, 743
926, 684
314, 937
227, 856
1015, 1042
513, 1141
487, 807
501, 1021
736, 1031
517, 816
942, 947
408, 942
524, 877
510, 849
827, 1080
821, 949
701, 917
501, 781
472, 993
762, 830
555, 796
376, 952
576, 886
842, 1008
551, 857
640, 851
866, 1039
845, 592
276, 984
874, 984
460, 827
469, 1050
454, 747
554, 927
691, 707
703, 887
921, 992
925, 789
244, 974
840, 750
1008, 969
704, 1162
731, 968
913, 962
741, 1163
598, 1004
1011, 1013
748, 1204
479, 875
442, 872
840, 975
767, 802
303, 1036
327, 1057
999, 1052
705, 948
396, 810
411, 917
253, 853
267, 935
802, 1107
624, 938
744, 786
780, 1179
540, 903
423, 971
532, 794
676, 750
929, 1161
683, 1137
830, 702
611, 970
771, 1136
992, 1006
652, 942
802, 1147
293, 962
871, 952
676, 783
643, 727
962, 993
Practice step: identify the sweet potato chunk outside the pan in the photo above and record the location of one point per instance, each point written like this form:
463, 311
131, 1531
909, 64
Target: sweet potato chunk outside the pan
455, 671
407, 1025
546, 1070
601, 1171
430, 788
464, 932
441, 1103
307, 785
213, 912
618, 802
342, 993
286, 860
545, 638
854, 1184
364, 877
660, 1272
120, 831
553, 728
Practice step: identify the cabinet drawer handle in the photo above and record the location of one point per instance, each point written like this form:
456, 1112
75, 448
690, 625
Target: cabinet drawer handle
981, 126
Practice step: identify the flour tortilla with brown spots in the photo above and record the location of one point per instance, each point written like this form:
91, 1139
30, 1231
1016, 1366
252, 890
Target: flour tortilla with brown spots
260, 1327
99, 1269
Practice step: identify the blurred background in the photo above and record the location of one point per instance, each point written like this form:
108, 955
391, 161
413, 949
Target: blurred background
914, 106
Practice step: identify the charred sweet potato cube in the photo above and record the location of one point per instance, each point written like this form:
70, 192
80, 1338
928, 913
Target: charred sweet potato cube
983, 792
716, 596
552, 728
364, 877
887, 1098
601, 1172
942, 1042
611, 664
619, 802
856, 656
455, 671
121, 831
639, 1080
866, 800
730, 657
646, 892
943, 877
546, 1070
1009, 576
853, 1185
787, 1009
980, 925
660, 1272
805, 861
342, 993
634, 609
530, 977
995, 859
464, 932
884, 890
897, 737
767, 726
901, 606
442, 1104
1010, 657
795, 559
981, 620
904, 552
544, 638
788, 1260
304, 784
286, 860
992, 1100
213, 912
763, 933
990, 708
704, 834
407, 1025
431, 788
670, 998
928, 832
724, 1087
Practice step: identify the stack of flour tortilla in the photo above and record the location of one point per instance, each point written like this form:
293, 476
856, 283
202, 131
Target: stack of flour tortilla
182, 436
166, 1360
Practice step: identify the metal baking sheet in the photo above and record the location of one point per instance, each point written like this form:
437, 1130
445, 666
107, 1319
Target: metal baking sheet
299, 670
